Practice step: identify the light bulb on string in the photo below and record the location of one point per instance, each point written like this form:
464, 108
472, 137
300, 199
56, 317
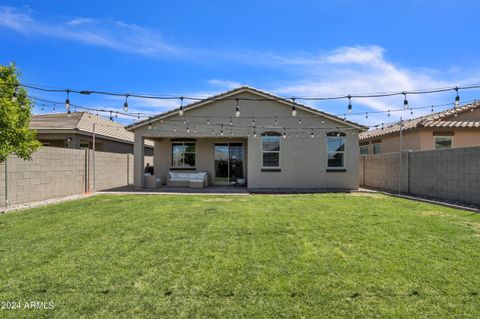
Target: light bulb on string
253, 121
405, 101
312, 135
231, 121
125, 104
237, 110
457, 98
208, 121
366, 115
67, 102
284, 133
294, 109
180, 112
15, 95
299, 121
221, 130
349, 104
388, 114
276, 121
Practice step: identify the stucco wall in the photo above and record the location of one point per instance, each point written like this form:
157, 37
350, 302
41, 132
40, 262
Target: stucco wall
303, 160
57, 172
452, 174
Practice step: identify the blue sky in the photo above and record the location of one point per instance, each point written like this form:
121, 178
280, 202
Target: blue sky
302, 48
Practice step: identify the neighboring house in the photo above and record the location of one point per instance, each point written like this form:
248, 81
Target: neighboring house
265, 144
447, 129
75, 130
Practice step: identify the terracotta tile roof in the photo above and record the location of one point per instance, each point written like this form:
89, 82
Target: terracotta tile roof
83, 122
441, 119
239, 90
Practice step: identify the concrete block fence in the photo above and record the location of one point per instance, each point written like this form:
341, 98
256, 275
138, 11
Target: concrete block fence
452, 174
58, 172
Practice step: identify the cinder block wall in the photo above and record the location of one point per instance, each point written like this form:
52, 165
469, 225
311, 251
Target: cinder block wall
52, 172
58, 172
112, 170
452, 174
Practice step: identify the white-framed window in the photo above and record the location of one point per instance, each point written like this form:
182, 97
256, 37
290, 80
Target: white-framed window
335, 150
364, 149
443, 142
271, 150
183, 154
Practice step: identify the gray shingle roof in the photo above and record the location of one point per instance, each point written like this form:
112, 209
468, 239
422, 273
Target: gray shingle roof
83, 122
441, 119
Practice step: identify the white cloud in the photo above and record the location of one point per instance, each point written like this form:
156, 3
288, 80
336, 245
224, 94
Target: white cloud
108, 33
224, 84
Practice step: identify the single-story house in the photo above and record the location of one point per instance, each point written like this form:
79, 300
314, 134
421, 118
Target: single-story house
254, 137
458, 127
75, 130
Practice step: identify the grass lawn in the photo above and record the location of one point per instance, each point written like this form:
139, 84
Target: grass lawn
296, 256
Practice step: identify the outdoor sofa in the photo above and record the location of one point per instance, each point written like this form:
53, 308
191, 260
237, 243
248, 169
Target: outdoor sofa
188, 179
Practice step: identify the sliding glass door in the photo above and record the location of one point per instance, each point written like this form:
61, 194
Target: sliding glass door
228, 162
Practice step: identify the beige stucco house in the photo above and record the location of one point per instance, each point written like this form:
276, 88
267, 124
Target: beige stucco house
255, 139
447, 129
75, 130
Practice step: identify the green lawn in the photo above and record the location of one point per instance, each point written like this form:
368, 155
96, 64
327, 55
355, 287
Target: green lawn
296, 256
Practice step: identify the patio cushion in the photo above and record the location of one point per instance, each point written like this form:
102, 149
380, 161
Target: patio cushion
181, 176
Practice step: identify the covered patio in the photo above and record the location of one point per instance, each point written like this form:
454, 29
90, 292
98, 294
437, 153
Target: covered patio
223, 159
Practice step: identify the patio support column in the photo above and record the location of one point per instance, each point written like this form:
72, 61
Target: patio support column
139, 159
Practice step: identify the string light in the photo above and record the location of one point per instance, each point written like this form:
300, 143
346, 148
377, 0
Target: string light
67, 102
253, 121
366, 115
299, 121
111, 116
388, 113
237, 109
349, 103
181, 106
254, 132
405, 101
276, 121
14, 95
208, 121
284, 134
294, 109
231, 121
125, 105
221, 130
270, 98
457, 98
312, 135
